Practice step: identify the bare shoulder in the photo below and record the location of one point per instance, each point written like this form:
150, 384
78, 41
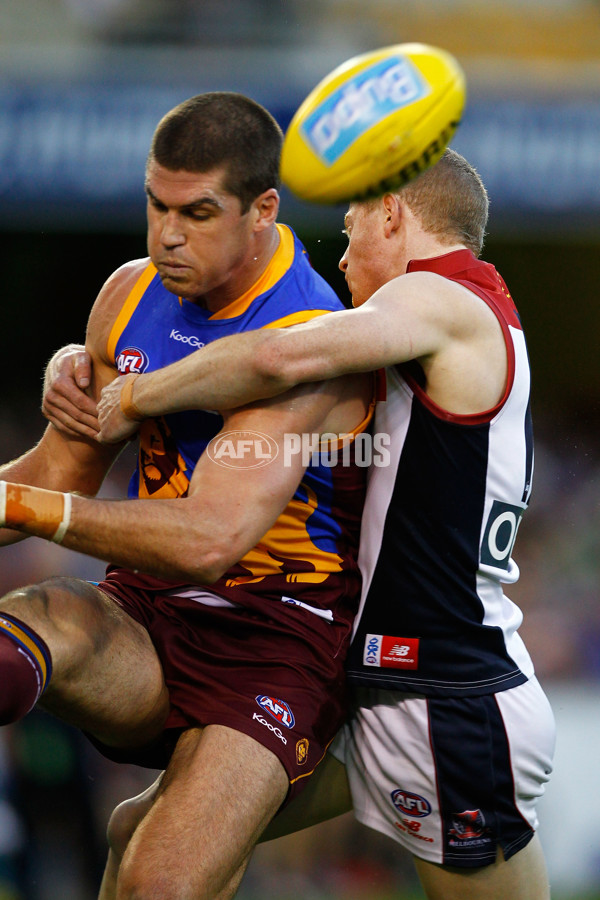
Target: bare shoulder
106, 308
435, 301
109, 303
422, 287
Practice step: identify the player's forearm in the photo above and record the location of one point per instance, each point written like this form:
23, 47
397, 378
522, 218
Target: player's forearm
157, 539
32, 468
226, 374
241, 369
60, 463
57, 463
150, 535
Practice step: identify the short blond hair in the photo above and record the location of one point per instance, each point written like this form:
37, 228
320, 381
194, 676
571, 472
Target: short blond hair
450, 201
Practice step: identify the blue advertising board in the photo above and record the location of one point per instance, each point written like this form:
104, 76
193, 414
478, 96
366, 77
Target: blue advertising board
73, 155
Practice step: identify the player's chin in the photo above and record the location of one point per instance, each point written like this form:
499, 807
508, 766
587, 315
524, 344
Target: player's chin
177, 282
356, 298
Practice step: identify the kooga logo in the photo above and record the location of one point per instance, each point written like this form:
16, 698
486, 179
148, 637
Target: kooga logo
190, 339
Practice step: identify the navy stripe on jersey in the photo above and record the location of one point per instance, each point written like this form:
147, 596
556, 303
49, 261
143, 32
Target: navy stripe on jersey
475, 782
528, 455
442, 510
440, 524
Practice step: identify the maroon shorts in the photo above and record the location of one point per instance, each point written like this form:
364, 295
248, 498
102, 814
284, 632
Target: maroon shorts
278, 679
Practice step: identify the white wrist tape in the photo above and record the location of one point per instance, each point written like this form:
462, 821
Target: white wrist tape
66, 520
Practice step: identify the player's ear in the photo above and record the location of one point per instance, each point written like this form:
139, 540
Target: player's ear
265, 209
392, 213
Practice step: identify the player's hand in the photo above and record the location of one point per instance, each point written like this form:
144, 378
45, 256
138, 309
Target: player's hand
114, 425
64, 401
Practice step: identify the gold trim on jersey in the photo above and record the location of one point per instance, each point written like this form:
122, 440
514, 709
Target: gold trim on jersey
304, 315
288, 540
281, 261
128, 308
349, 436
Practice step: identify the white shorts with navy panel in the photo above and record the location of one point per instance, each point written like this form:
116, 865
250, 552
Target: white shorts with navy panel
451, 779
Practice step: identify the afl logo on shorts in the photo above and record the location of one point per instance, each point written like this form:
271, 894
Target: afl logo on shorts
410, 804
132, 360
278, 709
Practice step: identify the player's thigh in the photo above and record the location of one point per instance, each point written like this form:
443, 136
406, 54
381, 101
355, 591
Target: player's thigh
522, 877
106, 676
220, 790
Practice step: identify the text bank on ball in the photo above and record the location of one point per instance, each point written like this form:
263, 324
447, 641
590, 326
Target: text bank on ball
373, 124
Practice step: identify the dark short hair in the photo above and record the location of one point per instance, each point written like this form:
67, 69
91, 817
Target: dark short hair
222, 128
450, 201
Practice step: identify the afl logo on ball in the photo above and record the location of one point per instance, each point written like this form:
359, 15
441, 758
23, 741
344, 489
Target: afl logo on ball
132, 360
410, 804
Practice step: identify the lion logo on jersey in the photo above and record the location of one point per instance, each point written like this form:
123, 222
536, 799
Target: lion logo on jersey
162, 468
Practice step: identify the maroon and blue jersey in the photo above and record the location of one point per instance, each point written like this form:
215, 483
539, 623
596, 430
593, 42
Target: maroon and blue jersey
310, 553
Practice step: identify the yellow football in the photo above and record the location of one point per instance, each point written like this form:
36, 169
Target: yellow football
374, 123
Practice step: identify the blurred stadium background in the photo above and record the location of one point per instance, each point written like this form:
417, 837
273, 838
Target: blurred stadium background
82, 85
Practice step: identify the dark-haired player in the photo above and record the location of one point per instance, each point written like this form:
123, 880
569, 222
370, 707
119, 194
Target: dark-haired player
451, 738
215, 645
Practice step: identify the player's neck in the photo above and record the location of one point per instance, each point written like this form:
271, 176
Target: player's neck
241, 280
430, 249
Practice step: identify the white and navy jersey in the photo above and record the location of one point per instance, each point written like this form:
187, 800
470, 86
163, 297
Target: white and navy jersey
440, 522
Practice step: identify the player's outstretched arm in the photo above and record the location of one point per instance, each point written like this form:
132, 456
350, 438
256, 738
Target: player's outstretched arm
415, 316
389, 328
59, 463
227, 510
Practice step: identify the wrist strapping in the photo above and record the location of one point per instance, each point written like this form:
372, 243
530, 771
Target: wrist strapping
35, 510
128, 407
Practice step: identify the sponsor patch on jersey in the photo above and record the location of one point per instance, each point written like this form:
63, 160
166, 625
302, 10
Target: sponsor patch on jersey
387, 652
132, 360
278, 709
410, 804
274, 729
192, 340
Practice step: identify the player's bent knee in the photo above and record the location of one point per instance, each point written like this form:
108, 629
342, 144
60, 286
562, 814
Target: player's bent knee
146, 880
